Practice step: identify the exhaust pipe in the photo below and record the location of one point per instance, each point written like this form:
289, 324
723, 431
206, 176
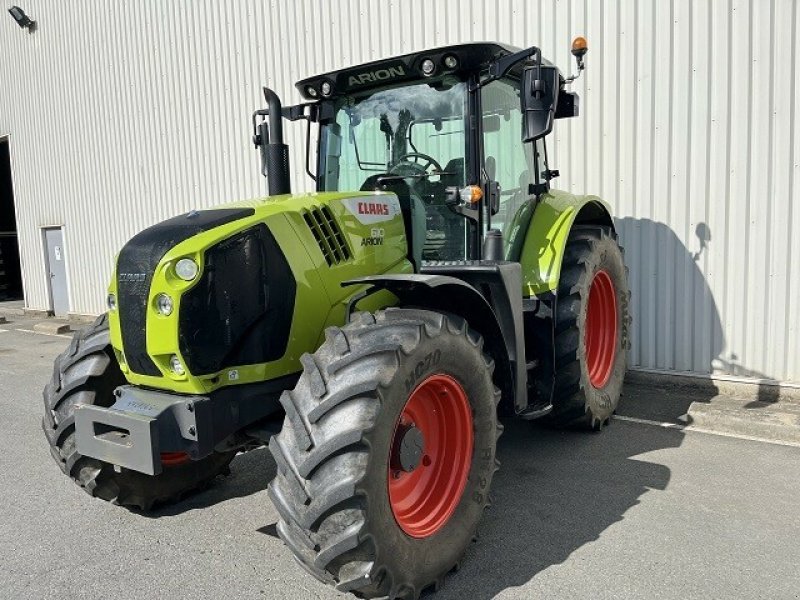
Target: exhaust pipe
274, 153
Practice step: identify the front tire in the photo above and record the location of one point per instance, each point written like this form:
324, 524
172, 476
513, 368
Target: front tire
591, 329
87, 373
361, 450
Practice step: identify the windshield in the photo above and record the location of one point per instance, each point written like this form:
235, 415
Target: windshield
388, 131
409, 140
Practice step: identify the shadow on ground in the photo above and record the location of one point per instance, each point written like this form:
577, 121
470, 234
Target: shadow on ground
555, 492
663, 399
250, 473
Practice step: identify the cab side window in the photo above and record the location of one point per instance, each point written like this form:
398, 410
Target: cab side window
506, 159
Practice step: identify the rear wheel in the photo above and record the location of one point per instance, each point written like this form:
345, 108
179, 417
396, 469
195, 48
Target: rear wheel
87, 373
387, 453
591, 329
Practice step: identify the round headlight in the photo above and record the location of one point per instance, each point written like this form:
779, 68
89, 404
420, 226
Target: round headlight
111, 302
186, 269
428, 67
450, 61
164, 304
326, 88
175, 365
311, 91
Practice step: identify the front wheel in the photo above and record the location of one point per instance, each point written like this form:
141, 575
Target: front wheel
387, 453
592, 324
87, 373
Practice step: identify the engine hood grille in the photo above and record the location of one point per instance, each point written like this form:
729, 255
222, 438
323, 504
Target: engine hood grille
328, 234
240, 312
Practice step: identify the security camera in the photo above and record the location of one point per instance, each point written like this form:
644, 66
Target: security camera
22, 19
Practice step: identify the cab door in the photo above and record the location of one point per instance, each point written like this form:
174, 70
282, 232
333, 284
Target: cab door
509, 162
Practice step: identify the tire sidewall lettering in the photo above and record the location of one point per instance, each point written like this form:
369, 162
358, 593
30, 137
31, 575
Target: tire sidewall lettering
429, 361
421, 368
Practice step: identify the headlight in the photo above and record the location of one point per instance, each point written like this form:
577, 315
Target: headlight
326, 88
428, 67
175, 365
164, 304
186, 269
111, 302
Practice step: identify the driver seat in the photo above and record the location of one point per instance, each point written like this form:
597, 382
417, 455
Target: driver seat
413, 213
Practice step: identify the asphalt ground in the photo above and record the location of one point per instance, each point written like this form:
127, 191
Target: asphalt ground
638, 511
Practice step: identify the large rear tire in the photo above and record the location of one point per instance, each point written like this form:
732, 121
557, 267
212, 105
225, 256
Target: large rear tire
387, 452
591, 329
87, 373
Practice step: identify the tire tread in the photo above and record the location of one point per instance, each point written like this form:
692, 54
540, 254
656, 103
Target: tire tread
321, 515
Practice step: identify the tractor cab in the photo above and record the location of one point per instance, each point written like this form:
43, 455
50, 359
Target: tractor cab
457, 133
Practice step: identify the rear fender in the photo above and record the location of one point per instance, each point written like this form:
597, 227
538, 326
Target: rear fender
542, 251
541, 256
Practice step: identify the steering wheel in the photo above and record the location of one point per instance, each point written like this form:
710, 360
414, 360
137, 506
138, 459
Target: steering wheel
412, 158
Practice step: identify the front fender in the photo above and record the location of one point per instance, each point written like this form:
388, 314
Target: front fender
546, 238
453, 295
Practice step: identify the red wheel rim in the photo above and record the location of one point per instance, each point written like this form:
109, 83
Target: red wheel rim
173, 459
424, 499
600, 335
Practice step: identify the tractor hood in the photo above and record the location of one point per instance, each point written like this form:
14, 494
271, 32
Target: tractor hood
236, 294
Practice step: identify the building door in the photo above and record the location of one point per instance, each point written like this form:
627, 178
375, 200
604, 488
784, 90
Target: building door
10, 274
56, 270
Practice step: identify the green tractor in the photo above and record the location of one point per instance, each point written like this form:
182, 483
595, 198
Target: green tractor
369, 333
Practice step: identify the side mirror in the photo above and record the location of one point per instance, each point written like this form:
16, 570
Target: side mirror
538, 95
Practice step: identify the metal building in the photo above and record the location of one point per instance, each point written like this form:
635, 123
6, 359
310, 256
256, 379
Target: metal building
118, 115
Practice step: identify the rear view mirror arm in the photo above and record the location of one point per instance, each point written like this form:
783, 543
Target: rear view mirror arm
504, 64
296, 112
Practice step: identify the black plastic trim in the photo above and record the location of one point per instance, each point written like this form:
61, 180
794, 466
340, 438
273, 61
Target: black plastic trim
136, 264
472, 58
240, 312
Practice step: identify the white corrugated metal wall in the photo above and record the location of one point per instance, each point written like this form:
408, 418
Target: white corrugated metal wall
122, 114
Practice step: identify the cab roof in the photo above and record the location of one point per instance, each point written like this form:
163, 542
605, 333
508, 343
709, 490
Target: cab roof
469, 58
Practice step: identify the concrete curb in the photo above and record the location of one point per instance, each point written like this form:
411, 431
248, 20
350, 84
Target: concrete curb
778, 421
81, 319
52, 327
758, 410
763, 390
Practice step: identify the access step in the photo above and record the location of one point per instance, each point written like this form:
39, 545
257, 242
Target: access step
537, 411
